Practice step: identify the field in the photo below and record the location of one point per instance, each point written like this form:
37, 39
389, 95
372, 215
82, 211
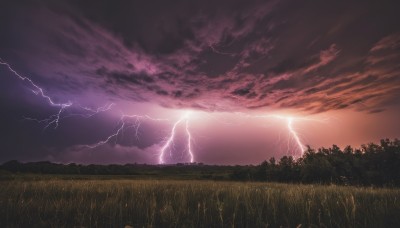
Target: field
119, 202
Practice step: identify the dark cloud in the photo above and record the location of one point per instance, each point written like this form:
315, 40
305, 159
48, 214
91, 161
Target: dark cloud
244, 90
304, 55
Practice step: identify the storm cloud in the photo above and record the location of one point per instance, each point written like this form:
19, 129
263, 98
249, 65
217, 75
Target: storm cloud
161, 58
229, 55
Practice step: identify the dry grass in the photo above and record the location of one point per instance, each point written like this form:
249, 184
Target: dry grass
169, 203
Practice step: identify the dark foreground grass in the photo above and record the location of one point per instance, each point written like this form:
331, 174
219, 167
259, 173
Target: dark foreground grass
171, 203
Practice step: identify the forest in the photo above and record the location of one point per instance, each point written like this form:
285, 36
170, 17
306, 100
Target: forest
370, 165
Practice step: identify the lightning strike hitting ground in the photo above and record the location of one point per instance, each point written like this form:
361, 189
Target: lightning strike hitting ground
295, 135
169, 143
189, 141
292, 131
289, 121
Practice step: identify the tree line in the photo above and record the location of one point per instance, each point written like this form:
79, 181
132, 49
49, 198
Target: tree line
371, 164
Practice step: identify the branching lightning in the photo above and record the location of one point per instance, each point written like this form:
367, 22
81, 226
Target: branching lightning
125, 122
37, 90
54, 120
134, 121
170, 141
92, 112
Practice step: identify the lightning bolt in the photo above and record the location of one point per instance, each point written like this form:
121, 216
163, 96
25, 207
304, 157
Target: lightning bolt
92, 112
125, 122
37, 90
134, 121
189, 143
295, 135
53, 119
292, 131
57, 117
289, 123
170, 141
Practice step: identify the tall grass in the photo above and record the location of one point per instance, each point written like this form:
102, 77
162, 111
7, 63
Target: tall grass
169, 203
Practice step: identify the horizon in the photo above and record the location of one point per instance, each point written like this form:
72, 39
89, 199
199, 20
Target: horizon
315, 150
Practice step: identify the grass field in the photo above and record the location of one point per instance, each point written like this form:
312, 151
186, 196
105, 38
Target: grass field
95, 202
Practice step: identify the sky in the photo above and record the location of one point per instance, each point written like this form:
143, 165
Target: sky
218, 82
